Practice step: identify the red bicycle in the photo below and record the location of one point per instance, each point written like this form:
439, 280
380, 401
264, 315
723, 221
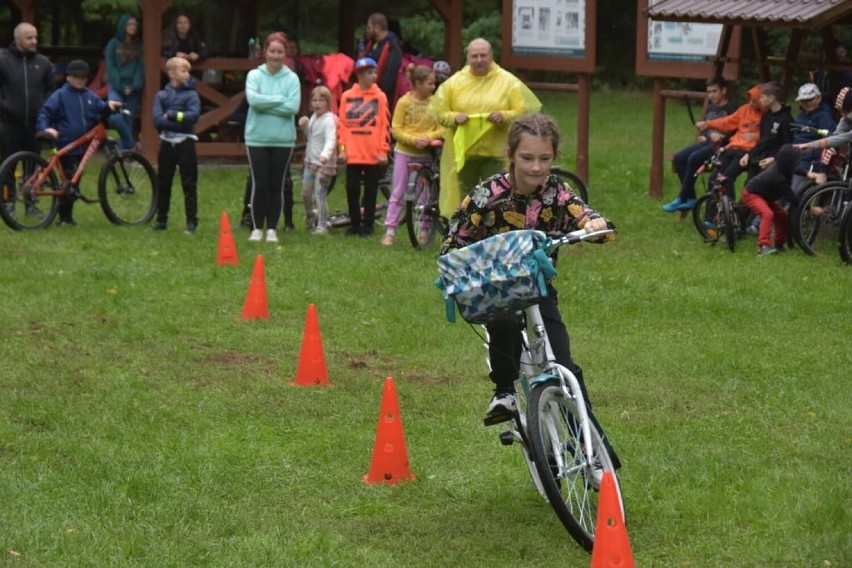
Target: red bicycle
32, 186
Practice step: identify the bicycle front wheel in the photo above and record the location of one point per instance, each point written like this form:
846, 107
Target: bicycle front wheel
573, 181
127, 188
421, 212
24, 206
818, 216
704, 217
570, 482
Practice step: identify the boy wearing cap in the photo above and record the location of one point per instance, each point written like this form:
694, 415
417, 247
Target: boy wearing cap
815, 113
364, 141
71, 111
843, 132
176, 110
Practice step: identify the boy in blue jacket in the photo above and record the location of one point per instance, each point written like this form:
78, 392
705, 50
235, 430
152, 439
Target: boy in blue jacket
68, 113
176, 110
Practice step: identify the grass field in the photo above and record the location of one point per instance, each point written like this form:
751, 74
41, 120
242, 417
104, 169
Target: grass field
143, 424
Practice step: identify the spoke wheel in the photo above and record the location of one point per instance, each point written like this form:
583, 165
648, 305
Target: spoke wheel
421, 211
573, 181
127, 188
25, 207
730, 221
567, 477
818, 217
705, 217
845, 237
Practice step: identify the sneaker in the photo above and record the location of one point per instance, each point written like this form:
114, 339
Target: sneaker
159, 226
319, 231
388, 240
190, 228
245, 222
256, 236
271, 236
503, 407
289, 227
34, 212
687, 205
67, 222
766, 250
673, 206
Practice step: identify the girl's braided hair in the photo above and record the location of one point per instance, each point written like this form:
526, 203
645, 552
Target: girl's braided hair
536, 124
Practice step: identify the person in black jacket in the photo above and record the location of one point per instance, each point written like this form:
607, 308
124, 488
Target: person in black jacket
26, 80
382, 46
182, 41
774, 129
763, 195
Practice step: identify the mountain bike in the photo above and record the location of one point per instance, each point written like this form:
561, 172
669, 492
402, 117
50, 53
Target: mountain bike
716, 216
32, 186
563, 445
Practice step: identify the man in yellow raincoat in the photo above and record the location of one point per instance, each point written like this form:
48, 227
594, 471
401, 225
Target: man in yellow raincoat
476, 106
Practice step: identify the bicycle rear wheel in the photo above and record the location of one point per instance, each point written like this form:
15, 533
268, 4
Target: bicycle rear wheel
127, 188
704, 217
24, 208
421, 212
573, 181
818, 216
558, 444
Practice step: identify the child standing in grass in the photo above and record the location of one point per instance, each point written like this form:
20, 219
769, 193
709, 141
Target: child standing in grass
363, 132
320, 160
414, 129
176, 110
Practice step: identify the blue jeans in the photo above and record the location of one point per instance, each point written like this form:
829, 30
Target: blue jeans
686, 162
123, 124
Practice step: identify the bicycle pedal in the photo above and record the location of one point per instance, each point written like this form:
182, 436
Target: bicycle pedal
507, 438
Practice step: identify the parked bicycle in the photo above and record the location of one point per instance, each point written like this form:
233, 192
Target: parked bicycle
562, 443
844, 240
716, 216
32, 186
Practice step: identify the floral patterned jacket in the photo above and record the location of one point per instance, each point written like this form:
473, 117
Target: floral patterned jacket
493, 208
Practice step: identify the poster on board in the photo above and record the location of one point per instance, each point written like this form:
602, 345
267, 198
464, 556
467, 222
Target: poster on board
549, 27
682, 41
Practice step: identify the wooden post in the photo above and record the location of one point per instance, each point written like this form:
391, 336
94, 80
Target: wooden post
28, 11
657, 138
451, 12
152, 23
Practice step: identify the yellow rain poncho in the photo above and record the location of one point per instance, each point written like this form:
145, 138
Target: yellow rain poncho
478, 97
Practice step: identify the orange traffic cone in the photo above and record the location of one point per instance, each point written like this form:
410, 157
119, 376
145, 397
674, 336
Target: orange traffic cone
227, 250
255, 305
312, 369
390, 459
612, 547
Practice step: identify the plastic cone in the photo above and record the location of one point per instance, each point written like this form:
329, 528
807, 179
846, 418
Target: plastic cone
227, 250
612, 547
255, 306
390, 458
312, 369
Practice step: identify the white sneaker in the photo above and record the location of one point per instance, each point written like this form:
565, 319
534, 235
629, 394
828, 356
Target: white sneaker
256, 236
271, 236
502, 408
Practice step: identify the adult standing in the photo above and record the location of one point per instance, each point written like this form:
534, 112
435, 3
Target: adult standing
383, 47
182, 41
123, 61
476, 106
274, 95
26, 80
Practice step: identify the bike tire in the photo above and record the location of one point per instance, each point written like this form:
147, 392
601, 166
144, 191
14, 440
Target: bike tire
844, 241
557, 441
421, 212
730, 223
807, 226
574, 182
127, 188
704, 213
21, 209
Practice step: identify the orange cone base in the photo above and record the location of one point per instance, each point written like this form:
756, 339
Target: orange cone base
390, 458
256, 306
612, 546
312, 370
227, 250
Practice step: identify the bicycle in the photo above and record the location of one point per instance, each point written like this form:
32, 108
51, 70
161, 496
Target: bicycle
423, 215
127, 184
844, 241
716, 216
562, 443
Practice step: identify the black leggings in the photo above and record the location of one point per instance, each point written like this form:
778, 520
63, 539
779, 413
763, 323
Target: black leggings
268, 166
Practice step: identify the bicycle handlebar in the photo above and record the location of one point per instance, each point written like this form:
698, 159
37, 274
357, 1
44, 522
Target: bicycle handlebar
823, 132
577, 236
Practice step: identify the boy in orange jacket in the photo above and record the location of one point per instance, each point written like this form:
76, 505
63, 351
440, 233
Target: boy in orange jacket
745, 125
364, 136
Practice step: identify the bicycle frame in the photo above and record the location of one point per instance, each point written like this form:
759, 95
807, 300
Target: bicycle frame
94, 138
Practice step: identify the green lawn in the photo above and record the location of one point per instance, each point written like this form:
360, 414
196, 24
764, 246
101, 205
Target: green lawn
142, 423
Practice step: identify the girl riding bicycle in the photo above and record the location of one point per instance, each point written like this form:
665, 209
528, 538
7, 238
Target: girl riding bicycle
525, 197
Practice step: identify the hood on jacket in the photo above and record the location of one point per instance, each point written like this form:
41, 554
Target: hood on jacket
122, 26
786, 160
754, 95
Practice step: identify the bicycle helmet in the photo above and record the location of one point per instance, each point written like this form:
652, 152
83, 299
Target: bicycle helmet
442, 70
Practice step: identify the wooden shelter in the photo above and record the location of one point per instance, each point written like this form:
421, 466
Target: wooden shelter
220, 104
799, 16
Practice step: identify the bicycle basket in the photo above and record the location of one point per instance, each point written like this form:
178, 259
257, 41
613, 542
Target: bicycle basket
496, 276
